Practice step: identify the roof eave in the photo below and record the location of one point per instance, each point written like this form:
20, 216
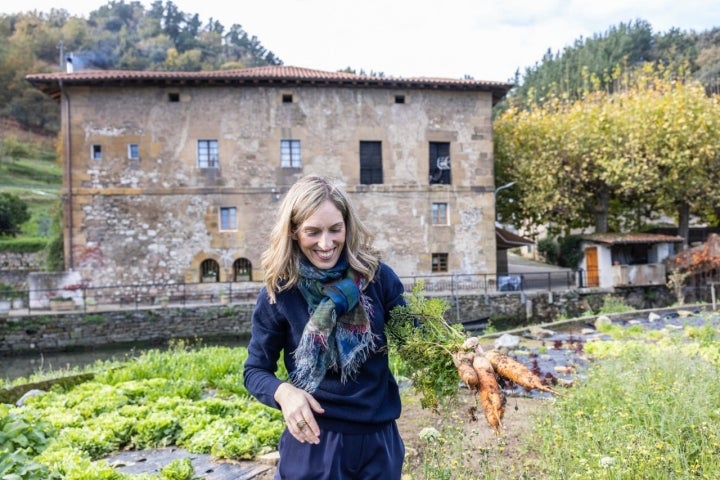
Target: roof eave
52, 84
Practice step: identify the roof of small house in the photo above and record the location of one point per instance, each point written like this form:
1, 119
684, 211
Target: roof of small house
506, 239
630, 238
273, 75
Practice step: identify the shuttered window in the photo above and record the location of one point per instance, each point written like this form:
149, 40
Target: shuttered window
371, 170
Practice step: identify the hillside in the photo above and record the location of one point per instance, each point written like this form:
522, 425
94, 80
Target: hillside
30, 170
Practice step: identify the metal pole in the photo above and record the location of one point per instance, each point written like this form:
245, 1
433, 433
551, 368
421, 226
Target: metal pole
712, 293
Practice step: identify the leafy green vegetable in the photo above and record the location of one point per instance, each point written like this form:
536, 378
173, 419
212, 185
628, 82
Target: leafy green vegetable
425, 341
180, 469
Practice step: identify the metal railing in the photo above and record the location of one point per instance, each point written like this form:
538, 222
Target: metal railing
492, 283
133, 297
136, 296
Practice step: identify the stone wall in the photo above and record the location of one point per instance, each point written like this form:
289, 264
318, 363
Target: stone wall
15, 267
22, 261
55, 332
47, 332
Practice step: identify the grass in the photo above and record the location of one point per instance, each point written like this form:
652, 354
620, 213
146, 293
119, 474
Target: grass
30, 171
646, 411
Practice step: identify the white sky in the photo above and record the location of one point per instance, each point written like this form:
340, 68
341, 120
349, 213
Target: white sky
488, 40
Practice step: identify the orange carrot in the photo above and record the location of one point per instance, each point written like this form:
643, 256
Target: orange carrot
472, 344
516, 372
492, 398
463, 363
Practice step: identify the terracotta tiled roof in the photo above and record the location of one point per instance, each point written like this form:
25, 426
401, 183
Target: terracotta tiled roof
627, 238
50, 83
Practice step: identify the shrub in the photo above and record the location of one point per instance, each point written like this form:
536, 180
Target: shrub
548, 249
570, 253
23, 245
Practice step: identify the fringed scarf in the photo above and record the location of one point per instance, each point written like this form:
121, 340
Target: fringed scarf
338, 334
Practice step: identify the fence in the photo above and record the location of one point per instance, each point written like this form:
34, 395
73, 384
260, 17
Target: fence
133, 297
491, 283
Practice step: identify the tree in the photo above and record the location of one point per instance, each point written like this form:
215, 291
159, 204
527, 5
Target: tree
652, 145
567, 73
119, 35
13, 213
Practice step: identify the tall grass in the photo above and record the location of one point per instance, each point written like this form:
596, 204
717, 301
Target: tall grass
649, 411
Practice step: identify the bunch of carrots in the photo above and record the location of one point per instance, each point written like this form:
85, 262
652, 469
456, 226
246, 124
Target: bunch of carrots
436, 353
480, 370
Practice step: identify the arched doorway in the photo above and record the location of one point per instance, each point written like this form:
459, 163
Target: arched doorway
242, 270
209, 271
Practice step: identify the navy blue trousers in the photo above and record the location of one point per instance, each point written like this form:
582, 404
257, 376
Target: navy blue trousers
343, 456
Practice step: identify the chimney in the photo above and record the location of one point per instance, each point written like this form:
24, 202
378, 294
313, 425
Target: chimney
69, 64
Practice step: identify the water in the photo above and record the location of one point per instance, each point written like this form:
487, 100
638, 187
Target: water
24, 365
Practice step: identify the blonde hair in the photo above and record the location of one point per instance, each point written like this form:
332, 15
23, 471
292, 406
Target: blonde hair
281, 261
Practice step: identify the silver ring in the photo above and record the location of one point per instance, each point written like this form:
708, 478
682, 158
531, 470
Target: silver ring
301, 424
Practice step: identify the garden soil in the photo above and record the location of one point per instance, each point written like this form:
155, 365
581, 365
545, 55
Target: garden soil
506, 452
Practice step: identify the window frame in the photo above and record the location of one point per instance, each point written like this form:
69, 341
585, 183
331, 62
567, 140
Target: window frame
436, 176
440, 214
439, 262
133, 148
96, 152
290, 153
371, 164
208, 153
227, 219
242, 270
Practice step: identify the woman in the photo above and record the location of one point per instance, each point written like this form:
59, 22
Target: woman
324, 305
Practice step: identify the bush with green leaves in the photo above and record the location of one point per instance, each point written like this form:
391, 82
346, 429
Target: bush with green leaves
13, 213
23, 245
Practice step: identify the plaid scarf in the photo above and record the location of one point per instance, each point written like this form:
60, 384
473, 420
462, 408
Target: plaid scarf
338, 333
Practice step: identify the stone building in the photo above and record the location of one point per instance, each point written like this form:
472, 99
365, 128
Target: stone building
174, 177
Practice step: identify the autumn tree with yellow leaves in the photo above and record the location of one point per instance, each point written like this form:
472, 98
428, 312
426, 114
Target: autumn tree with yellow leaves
614, 161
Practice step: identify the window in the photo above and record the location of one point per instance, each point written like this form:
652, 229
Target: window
439, 262
228, 218
242, 269
133, 151
287, 98
209, 271
96, 152
399, 98
371, 163
439, 163
173, 97
439, 214
207, 154
290, 154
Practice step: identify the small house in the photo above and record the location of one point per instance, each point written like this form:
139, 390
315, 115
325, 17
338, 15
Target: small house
616, 260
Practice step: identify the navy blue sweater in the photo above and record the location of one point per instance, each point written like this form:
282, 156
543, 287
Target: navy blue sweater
363, 404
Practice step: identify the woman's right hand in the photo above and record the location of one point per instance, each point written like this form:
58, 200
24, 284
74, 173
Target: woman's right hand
299, 408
